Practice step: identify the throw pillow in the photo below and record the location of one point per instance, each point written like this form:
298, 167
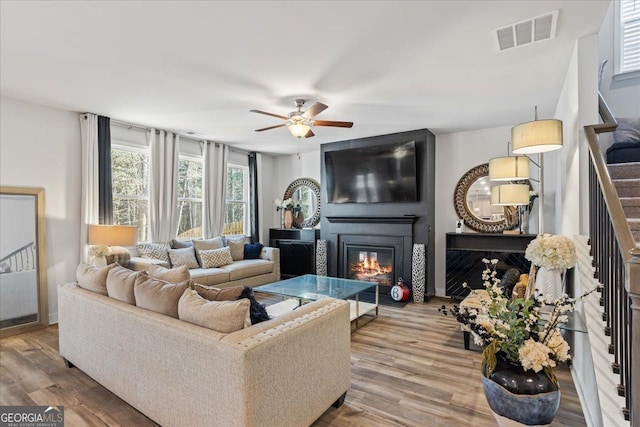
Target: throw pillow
120, 282
237, 247
177, 274
158, 295
185, 256
154, 251
213, 258
217, 294
252, 251
628, 130
257, 312
93, 279
221, 316
202, 245
180, 244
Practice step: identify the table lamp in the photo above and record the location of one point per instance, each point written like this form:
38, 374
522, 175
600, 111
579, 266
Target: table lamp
107, 240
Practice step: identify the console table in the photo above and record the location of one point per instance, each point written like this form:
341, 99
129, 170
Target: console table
297, 250
465, 252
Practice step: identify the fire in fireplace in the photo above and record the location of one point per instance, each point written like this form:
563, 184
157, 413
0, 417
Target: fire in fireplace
371, 265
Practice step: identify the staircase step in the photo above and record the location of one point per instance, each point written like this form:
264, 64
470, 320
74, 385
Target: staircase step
634, 225
627, 187
624, 170
631, 206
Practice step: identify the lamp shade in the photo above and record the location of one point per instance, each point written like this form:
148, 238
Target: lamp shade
509, 168
510, 195
112, 235
299, 129
537, 137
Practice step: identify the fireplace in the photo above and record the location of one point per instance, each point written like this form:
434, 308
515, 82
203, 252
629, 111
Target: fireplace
370, 264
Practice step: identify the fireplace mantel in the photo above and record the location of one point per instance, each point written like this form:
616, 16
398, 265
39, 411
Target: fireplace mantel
404, 219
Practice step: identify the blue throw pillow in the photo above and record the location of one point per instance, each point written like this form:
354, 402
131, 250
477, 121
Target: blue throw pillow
252, 251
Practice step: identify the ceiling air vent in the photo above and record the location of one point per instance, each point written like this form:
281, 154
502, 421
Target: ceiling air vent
522, 33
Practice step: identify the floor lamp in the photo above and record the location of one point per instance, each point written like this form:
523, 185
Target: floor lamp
538, 136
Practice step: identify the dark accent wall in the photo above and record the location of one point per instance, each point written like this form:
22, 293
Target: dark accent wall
423, 209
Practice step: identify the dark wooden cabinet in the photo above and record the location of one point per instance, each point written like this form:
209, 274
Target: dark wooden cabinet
297, 250
465, 252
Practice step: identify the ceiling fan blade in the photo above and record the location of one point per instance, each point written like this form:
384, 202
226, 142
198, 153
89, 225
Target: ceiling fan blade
314, 110
310, 134
271, 127
270, 114
332, 123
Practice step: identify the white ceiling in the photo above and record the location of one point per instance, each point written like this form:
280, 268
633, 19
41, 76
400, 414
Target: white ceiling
200, 66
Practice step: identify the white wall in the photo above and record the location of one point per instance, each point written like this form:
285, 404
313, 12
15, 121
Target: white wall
40, 146
456, 153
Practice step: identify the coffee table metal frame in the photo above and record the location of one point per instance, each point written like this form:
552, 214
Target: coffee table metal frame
310, 287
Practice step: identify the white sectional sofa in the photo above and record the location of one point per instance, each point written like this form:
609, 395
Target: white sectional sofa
283, 372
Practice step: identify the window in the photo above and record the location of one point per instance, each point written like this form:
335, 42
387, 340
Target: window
627, 37
237, 206
189, 198
130, 186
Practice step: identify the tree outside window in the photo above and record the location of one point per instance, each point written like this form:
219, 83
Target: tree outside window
189, 198
130, 186
237, 200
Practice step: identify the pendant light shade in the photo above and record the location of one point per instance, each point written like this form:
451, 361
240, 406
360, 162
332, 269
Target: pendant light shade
510, 195
509, 168
299, 130
538, 136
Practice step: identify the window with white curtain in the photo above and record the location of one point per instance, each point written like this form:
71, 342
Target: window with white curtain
190, 175
627, 37
236, 219
130, 186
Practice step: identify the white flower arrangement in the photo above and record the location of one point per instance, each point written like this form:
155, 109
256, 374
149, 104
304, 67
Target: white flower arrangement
287, 204
99, 250
551, 252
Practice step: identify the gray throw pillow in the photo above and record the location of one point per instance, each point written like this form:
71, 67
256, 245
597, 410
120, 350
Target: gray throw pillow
237, 247
628, 130
185, 256
214, 258
154, 251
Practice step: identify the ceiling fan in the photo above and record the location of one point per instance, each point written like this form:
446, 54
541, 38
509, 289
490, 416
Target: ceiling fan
300, 123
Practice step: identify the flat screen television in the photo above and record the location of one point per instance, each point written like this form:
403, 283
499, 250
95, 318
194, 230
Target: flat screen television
377, 174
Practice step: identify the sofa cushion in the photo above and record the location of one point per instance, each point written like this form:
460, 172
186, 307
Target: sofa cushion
212, 258
184, 256
248, 268
154, 250
120, 283
252, 251
216, 294
93, 279
237, 247
628, 130
206, 244
180, 244
209, 276
177, 274
221, 316
158, 295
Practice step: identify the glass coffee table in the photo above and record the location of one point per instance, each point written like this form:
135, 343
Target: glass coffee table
311, 288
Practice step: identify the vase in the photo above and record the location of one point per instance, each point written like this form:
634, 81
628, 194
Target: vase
288, 219
418, 272
524, 219
549, 283
518, 397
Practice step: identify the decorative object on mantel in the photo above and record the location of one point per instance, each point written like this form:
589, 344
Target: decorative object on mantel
521, 349
418, 272
306, 191
550, 256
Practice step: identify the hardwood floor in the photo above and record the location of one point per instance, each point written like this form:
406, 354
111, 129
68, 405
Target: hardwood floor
409, 368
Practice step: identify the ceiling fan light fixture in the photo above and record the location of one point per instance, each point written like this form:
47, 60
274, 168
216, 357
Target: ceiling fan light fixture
299, 130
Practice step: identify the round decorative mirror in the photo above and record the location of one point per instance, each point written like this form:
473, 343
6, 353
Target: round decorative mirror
473, 205
307, 192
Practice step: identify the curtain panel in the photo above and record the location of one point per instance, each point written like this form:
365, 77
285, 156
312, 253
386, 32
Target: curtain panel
214, 188
89, 206
163, 191
253, 197
105, 192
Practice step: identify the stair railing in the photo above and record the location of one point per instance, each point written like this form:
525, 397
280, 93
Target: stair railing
617, 268
21, 259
